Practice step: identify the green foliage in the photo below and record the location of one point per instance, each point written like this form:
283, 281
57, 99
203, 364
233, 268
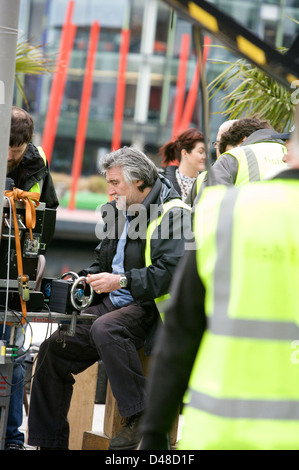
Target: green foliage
30, 59
248, 91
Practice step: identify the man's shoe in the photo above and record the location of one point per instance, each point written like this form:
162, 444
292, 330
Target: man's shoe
129, 437
14, 446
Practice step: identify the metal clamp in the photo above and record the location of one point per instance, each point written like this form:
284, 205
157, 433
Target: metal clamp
23, 287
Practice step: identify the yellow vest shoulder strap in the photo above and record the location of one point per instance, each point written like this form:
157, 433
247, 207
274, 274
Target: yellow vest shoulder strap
156, 222
42, 154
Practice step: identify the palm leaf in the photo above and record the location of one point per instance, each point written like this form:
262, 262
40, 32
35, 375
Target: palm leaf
248, 90
30, 59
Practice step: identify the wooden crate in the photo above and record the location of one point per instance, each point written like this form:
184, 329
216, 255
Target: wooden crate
80, 414
112, 419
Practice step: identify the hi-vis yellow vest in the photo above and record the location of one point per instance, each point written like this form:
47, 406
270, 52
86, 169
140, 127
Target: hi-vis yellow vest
244, 388
255, 162
162, 301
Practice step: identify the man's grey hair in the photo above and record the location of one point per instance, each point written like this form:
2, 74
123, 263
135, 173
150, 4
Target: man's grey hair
135, 165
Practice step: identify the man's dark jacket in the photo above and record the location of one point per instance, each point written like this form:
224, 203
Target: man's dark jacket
145, 283
170, 173
32, 170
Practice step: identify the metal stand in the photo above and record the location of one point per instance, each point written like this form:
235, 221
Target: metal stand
7, 363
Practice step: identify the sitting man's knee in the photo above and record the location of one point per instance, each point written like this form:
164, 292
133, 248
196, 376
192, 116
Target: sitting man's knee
105, 330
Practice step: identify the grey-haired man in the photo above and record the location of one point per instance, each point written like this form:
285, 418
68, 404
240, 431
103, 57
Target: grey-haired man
135, 262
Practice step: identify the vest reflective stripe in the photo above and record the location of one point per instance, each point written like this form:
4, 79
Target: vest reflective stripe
37, 187
236, 408
252, 165
163, 300
257, 160
220, 323
243, 370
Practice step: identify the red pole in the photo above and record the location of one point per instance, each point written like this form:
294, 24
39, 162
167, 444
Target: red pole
191, 99
84, 111
181, 83
192, 95
120, 90
58, 84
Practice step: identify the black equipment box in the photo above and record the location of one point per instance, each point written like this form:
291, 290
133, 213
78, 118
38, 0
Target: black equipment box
31, 250
57, 294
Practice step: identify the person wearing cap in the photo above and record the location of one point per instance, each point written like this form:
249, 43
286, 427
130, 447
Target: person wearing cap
233, 349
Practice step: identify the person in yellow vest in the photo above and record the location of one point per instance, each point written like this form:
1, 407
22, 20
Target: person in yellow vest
224, 127
249, 152
27, 169
143, 241
233, 354
197, 184
27, 166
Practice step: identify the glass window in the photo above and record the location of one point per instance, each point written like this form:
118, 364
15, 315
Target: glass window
130, 100
290, 27
108, 14
182, 27
244, 12
136, 19
102, 101
72, 97
292, 3
163, 16
35, 27
155, 103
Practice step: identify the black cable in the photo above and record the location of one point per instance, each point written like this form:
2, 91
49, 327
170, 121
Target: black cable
28, 380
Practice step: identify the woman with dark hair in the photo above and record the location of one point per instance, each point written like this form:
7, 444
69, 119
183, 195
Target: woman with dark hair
183, 159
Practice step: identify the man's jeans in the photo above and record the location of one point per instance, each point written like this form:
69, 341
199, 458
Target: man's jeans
15, 413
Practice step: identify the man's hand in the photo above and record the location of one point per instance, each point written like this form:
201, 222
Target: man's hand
103, 282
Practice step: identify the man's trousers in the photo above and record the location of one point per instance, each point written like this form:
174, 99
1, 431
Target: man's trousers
114, 337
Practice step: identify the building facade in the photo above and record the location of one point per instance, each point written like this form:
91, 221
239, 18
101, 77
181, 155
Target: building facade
154, 62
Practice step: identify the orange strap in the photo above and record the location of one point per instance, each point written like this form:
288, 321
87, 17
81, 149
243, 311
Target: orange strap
31, 201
